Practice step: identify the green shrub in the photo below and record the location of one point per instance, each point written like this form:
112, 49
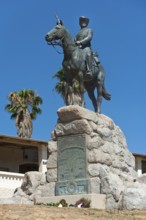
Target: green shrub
63, 203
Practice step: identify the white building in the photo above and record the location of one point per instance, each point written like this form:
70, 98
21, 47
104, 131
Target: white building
18, 156
140, 163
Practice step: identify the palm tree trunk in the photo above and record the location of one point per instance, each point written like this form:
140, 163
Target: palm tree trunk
24, 125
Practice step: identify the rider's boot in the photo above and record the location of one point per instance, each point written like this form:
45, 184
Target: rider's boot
89, 66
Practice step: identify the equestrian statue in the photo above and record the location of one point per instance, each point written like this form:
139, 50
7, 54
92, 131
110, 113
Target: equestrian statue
80, 63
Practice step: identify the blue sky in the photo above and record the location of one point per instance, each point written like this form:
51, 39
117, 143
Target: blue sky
27, 62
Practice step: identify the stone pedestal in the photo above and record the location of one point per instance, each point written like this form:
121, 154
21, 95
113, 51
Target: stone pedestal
88, 154
88, 157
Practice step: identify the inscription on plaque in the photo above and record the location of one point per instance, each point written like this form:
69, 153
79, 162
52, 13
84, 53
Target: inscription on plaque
71, 188
71, 165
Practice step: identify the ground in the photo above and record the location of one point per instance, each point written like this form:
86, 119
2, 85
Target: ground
39, 212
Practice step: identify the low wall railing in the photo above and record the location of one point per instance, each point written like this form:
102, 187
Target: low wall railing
10, 180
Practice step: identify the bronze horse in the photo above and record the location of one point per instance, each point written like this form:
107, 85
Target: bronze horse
74, 67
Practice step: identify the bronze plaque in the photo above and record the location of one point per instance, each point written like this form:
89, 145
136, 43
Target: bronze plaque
71, 165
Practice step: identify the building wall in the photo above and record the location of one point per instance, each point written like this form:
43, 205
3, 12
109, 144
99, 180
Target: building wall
18, 158
140, 164
11, 157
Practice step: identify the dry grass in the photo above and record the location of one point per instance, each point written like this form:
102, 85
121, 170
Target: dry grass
31, 212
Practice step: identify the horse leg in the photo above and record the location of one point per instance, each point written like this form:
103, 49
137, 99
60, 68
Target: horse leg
99, 98
82, 95
82, 88
69, 92
90, 91
100, 83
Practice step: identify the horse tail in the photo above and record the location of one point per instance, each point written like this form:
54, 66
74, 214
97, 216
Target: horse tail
105, 94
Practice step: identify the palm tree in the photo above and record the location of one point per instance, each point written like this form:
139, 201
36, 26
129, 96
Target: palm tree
65, 90
24, 107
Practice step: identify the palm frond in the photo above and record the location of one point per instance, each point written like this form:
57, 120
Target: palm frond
14, 115
59, 75
24, 106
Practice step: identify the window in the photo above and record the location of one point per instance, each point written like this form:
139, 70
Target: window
30, 154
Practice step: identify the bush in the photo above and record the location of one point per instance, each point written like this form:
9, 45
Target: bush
63, 203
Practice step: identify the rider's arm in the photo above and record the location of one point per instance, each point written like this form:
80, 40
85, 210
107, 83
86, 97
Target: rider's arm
88, 38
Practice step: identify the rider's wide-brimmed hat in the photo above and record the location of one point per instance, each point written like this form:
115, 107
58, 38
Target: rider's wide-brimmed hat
84, 19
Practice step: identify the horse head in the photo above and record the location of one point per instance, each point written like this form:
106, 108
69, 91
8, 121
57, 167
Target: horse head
57, 33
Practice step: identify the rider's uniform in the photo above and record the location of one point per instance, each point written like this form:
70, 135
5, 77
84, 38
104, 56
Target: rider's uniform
85, 37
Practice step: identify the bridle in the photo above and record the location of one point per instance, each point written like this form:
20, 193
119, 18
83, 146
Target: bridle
54, 43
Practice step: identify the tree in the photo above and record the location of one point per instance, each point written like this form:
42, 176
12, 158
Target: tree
24, 107
67, 91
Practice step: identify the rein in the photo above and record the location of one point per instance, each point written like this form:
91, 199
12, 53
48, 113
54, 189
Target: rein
55, 43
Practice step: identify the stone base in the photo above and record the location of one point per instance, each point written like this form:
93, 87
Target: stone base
98, 201
6, 192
